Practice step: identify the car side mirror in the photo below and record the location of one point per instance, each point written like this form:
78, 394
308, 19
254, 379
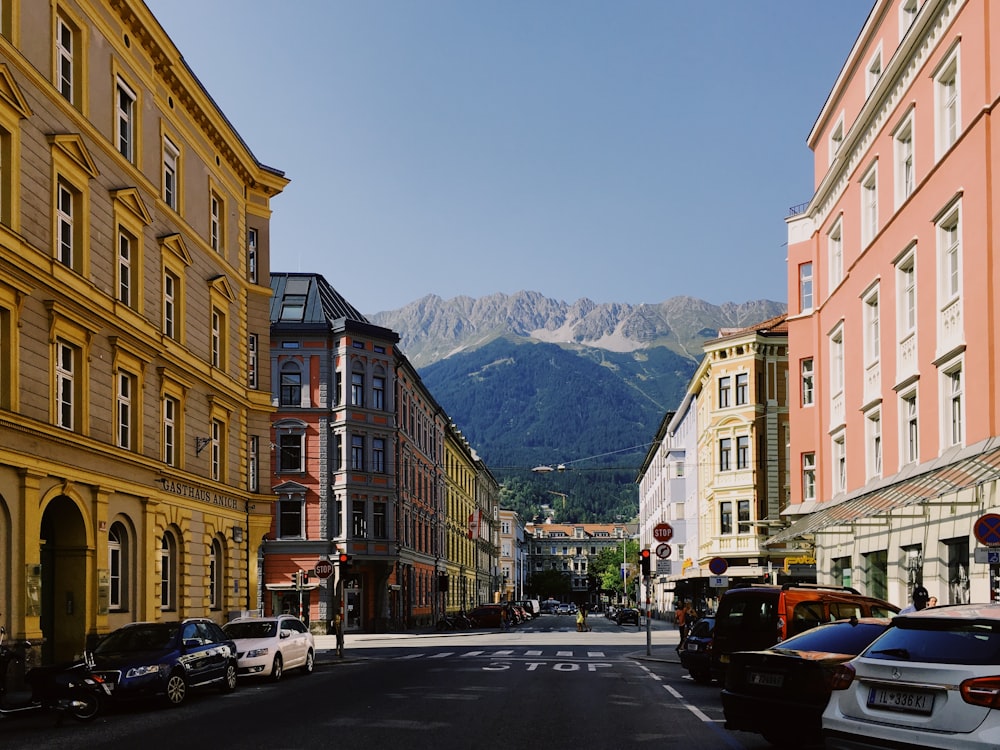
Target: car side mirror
191, 643
285, 634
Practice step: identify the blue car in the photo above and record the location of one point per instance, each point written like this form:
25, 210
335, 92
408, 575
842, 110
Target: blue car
166, 659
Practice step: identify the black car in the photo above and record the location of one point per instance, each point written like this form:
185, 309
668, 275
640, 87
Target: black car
623, 616
695, 649
165, 659
781, 692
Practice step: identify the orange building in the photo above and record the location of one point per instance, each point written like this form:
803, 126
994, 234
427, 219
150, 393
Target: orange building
893, 299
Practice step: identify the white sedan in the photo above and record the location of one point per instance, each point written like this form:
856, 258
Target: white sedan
267, 646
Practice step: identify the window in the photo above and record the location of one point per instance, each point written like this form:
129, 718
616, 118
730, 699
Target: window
171, 300
947, 104
217, 445
954, 406
67, 37
805, 287
359, 528
808, 476
357, 389
252, 360
951, 258
253, 463
907, 14
910, 442
168, 577
170, 430
290, 452
379, 526
117, 567
67, 358
839, 463
836, 138
877, 574
66, 231
125, 116
726, 517
725, 386
903, 145
743, 516
742, 389
743, 452
216, 211
871, 327
291, 385
218, 338
291, 517
869, 206
125, 244
293, 307
378, 393
126, 409
906, 278
252, 255
874, 72
873, 452
725, 454
215, 575
835, 251
957, 555
837, 361
357, 453
171, 173
808, 394
378, 455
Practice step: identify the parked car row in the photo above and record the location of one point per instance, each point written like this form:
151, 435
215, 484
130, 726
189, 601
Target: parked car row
165, 660
871, 680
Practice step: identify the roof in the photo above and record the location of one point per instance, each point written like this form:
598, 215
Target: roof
776, 326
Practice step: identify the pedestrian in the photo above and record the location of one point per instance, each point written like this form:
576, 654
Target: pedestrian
580, 620
919, 597
932, 602
679, 616
338, 627
504, 619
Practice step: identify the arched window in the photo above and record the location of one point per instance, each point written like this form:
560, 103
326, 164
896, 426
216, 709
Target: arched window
168, 572
118, 567
291, 384
215, 575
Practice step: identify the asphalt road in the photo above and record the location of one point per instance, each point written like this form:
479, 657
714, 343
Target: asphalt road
541, 685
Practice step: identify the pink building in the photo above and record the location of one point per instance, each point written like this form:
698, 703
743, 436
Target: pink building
893, 346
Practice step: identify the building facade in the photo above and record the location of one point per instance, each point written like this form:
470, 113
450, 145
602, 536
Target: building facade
893, 308
513, 555
134, 254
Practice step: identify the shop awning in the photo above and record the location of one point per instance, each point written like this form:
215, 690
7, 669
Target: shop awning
915, 491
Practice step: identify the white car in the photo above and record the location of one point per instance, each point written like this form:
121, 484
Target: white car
267, 646
932, 680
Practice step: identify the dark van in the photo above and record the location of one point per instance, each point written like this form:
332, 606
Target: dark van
758, 616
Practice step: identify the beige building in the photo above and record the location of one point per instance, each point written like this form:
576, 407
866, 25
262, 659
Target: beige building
134, 414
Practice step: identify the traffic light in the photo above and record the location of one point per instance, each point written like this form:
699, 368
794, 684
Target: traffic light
644, 562
297, 578
344, 560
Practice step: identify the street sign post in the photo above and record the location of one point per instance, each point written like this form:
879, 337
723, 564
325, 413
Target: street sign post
987, 530
324, 568
663, 550
718, 565
663, 532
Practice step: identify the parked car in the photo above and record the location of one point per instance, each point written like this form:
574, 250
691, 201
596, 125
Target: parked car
564, 609
627, 615
166, 659
268, 646
531, 606
695, 649
756, 617
780, 692
932, 680
486, 616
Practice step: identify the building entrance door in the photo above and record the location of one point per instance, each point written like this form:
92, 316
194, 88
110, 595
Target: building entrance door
353, 605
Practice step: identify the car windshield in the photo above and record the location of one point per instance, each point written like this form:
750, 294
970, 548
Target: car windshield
136, 638
837, 638
256, 629
944, 641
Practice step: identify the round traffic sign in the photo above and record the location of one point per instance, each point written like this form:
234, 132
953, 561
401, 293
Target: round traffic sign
718, 565
663, 532
663, 551
987, 529
324, 568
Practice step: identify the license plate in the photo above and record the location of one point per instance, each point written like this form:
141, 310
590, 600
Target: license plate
694, 647
908, 701
767, 679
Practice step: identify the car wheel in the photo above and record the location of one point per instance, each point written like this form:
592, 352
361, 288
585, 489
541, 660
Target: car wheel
176, 689
277, 668
310, 664
229, 683
702, 678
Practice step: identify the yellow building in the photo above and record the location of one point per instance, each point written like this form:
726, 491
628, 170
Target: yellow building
134, 415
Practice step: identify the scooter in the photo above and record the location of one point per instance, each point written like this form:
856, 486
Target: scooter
71, 688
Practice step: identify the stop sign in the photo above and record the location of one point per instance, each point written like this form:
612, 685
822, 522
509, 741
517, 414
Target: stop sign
324, 568
663, 532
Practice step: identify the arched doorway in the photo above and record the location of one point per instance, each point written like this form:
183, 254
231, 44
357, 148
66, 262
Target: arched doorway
63, 599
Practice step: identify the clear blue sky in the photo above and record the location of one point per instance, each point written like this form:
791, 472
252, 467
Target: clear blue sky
623, 150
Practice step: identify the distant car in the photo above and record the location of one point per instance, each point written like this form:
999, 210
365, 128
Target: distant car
166, 659
780, 692
694, 651
564, 609
268, 646
627, 615
930, 681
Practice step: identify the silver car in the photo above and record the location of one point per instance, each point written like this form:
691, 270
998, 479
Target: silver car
932, 680
267, 646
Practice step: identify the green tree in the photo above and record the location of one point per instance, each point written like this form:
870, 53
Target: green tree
607, 566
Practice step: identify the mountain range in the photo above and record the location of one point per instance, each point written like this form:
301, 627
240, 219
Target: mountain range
531, 381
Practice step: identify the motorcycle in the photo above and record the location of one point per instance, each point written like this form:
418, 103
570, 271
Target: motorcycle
70, 688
